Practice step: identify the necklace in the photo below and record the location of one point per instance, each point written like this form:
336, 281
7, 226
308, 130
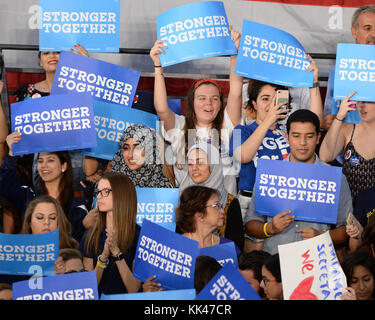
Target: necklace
212, 238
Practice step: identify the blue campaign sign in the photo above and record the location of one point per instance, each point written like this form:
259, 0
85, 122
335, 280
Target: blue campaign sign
185, 294
310, 191
228, 284
54, 123
166, 254
351, 117
111, 120
355, 71
103, 80
72, 286
23, 254
272, 55
94, 26
223, 253
194, 31
175, 105
158, 206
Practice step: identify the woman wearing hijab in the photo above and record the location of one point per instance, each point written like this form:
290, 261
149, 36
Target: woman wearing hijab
205, 169
139, 158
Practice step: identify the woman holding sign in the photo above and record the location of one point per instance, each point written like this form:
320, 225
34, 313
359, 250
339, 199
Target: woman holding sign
357, 142
205, 117
205, 169
109, 246
48, 60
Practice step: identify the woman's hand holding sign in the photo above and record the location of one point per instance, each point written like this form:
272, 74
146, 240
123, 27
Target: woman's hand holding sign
346, 106
12, 138
156, 50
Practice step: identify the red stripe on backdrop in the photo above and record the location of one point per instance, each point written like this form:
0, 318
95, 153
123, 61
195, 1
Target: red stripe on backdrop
322, 3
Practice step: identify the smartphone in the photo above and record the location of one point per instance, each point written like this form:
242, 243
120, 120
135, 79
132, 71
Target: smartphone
351, 219
282, 96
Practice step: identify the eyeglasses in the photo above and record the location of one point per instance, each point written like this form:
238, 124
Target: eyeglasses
266, 281
104, 192
218, 206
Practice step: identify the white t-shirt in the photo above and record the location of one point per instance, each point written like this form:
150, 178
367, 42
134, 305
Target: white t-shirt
176, 138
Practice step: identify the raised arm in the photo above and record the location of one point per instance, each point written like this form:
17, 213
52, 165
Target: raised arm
246, 152
3, 129
335, 139
316, 104
234, 102
165, 114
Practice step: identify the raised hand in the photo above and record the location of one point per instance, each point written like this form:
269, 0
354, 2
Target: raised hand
79, 50
158, 48
12, 138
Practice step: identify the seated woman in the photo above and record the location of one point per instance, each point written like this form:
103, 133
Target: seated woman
110, 245
139, 158
199, 214
56, 180
271, 278
359, 268
205, 169
45, 214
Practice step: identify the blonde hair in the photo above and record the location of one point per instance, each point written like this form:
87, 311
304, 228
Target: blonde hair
63, 224
124, 214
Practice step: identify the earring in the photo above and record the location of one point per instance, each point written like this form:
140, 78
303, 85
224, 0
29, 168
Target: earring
201, 220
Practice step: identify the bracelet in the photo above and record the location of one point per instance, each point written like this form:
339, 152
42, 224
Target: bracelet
157, 66
316, 84
102, 264
339, 119
118, 257
265, 230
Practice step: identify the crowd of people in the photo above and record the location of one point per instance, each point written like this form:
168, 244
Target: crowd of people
93, 202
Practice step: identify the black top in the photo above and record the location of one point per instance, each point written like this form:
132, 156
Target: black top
111, 282
364, 206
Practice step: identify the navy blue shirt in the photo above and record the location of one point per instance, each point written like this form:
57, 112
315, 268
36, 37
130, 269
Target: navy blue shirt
274, 146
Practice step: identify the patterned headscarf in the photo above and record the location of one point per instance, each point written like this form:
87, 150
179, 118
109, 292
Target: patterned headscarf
150, 175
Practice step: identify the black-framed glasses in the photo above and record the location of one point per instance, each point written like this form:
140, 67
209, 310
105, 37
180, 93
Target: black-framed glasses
104, 192
218, 206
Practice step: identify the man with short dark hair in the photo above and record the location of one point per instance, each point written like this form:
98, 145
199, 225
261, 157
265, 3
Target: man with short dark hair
303, 133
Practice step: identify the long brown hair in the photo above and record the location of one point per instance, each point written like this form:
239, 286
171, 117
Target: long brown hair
124, 213
191, 118
63, 224
66, 186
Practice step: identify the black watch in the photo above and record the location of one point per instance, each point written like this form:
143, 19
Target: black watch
119, 257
